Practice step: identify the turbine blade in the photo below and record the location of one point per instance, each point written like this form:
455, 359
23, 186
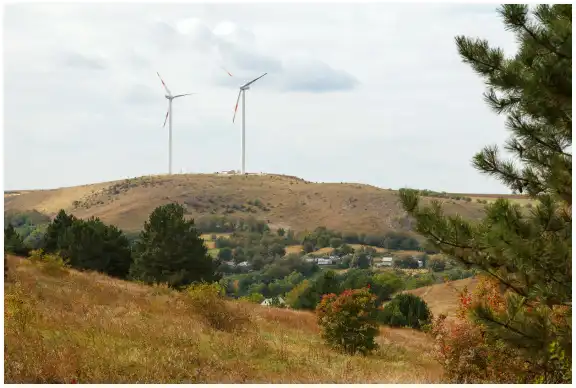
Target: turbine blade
230, 74
163, 84
236, 107
182, 95
254, 80
166, 118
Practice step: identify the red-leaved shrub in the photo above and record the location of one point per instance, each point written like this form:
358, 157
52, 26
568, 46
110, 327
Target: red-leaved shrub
348, 320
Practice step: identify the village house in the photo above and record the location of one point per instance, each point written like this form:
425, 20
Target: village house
385, 262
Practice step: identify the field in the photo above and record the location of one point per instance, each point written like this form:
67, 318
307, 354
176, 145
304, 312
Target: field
282, 201
61, 327
443, 298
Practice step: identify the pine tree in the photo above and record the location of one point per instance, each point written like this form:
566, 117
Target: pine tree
171, 251
528, 251
59, 224
92, 245
13, 242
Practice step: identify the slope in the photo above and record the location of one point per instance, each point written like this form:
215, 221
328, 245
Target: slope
283, 201
61, 327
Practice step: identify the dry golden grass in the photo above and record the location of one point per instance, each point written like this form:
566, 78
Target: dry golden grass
208, 236
443, 298
323, 251
95, 329
293, 249
358, 246
287, 202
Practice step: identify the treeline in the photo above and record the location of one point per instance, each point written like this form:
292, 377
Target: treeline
323, 237
302, 283
168, 249
228, 224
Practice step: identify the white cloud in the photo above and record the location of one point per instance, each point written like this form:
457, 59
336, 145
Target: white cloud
374, 93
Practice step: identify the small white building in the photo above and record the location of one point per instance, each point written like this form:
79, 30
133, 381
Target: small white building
244, 264
268, 302
325, 261
385, 262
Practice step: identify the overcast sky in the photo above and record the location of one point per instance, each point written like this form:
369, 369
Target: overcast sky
369, 93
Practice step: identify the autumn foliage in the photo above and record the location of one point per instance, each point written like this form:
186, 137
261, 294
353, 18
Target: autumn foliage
470, 355
348, 321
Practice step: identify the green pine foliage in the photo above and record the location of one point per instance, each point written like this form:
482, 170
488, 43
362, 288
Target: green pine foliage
13, 242
529, 251
405, 310
170, 250
89, 244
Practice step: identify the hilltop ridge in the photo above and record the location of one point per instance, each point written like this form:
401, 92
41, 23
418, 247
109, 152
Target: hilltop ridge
282, 201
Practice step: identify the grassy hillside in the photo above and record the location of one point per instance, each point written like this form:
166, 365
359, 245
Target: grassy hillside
282, 201
88, 327
443, 298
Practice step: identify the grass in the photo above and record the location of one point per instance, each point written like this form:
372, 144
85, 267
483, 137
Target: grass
293, 249
96, 329
378, 249
289, 202
443, 298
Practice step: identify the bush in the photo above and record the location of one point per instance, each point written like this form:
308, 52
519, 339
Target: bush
207, 300
52, 264
437, 264
471, 354
406, 310
347, 321
253, 298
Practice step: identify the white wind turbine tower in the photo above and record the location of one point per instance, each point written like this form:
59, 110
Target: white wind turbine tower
170, 97
242, 92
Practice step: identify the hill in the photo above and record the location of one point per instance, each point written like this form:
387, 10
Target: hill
443, 298
87, 327
283, 201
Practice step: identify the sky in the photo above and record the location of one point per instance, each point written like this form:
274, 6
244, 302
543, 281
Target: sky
368, 93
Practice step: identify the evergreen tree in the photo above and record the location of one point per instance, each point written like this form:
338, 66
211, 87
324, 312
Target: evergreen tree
13, 242
171, 251
59, 224
92, 245
528, 251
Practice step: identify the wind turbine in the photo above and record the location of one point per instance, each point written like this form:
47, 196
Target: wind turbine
170, 97
242, 92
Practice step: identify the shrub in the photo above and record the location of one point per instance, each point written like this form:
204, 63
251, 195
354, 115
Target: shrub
469, 354
463, 350
347, 321
207, 300
254, 297
19, 308
437, 264
406, 310
52, 263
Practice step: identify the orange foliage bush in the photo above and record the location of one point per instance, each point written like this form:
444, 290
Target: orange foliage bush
463, 349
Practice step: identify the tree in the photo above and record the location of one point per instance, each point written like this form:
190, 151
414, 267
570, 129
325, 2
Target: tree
171, 251
437, 264
225, 254
281, 232
360, 260
347, 321
92, 245
335, 242
59, 224
308, 247
406, 310
345, 249
528, 252
276, 250
405, 262
13, 242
